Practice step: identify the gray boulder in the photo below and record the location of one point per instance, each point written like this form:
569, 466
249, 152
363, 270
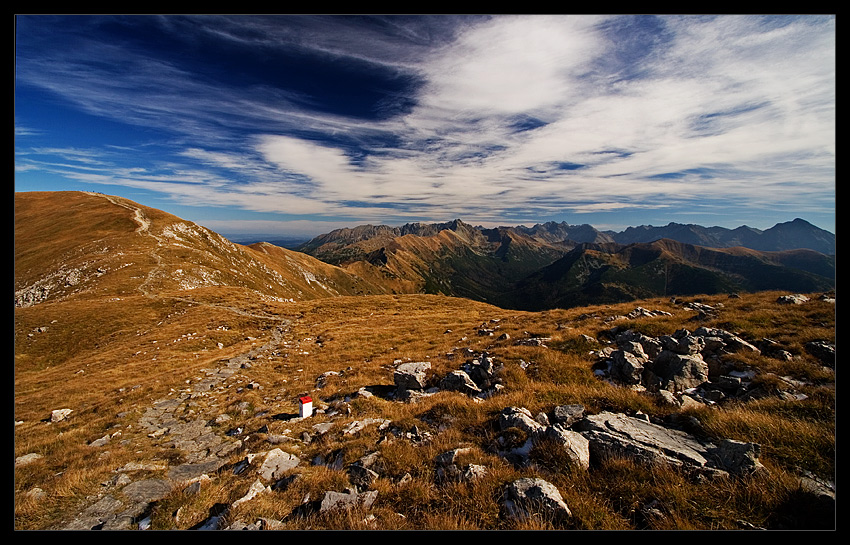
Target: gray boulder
574, 444
411, 376
529, 497
60, 414
686, 345
731, 342
619, 434
738, 457
626, 367
459, 381
822, 350
347, 500
520, 417
276, 463
567, 415
651, 346
678, 372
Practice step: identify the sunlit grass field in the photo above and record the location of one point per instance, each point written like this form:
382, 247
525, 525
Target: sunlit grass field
104, 359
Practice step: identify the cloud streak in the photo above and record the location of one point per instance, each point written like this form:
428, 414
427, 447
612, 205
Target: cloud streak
492, 119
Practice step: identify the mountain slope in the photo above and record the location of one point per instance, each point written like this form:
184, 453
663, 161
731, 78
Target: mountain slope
83, 245
450, 258
612, 273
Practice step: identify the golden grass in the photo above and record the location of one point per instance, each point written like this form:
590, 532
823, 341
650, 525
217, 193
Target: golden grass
362, 338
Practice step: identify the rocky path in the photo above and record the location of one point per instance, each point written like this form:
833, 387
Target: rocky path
185, 422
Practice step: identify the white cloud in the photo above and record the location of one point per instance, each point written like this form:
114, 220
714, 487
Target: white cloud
754, 105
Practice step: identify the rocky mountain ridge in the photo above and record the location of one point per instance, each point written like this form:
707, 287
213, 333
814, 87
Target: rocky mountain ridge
553, 264
791, 235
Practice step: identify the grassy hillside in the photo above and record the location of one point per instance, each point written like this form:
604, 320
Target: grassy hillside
114, 362
138, 310
612, 273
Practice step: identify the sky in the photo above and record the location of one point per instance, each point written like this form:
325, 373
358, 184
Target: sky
295, 125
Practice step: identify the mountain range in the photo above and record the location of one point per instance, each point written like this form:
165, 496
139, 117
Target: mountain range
73, 243
557, 264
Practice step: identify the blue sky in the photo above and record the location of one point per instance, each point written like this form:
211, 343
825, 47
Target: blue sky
297, 125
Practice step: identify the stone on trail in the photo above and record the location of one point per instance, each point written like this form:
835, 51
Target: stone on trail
148, 490
276, 463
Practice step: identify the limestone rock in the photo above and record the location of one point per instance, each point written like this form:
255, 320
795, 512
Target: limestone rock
276, 463
520, 417
256, 489
738, 457
459, 381
610, 433
147, 490
60, 414
411, 376
27, 459
575, 444
528, 497
626, 367
795, 299
347, 500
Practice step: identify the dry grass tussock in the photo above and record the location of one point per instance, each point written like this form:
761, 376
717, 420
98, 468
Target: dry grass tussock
103, 361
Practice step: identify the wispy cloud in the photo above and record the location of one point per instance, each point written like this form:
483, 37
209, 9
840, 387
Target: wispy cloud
487, 118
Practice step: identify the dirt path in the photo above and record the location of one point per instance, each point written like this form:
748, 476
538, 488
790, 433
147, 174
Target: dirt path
182, 421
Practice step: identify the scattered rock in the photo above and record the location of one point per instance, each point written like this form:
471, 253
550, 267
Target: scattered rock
276, 463
256, 489
27, 459
357, 425
347, 500
60, 414
567, 415
738, 457
529, 497
796, 299
459, 381
411, 376
823, 350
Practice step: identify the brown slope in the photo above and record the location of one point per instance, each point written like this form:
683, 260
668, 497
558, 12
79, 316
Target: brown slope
89, 245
